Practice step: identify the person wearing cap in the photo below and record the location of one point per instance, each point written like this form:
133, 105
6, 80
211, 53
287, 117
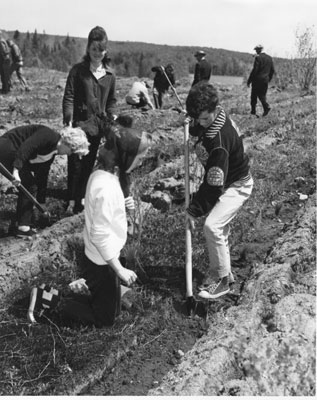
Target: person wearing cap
27, 152
202, 68
138, 95
90, 90
260, 76
105, 234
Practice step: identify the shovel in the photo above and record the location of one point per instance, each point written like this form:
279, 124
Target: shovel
193, 306
9, 176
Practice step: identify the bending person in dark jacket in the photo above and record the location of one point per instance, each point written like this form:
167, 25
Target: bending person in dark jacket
260, 76
227, 183
27, 152
89, 91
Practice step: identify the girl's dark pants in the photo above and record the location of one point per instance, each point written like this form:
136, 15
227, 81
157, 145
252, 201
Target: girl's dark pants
103, 304
79, 171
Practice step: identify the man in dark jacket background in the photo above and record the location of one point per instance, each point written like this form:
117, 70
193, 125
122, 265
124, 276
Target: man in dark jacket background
202, 68
260, 76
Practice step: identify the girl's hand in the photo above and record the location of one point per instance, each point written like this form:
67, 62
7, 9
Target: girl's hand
129, 203
127, 275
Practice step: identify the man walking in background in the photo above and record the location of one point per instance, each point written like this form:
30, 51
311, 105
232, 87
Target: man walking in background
202, 68
17, 64
260, 76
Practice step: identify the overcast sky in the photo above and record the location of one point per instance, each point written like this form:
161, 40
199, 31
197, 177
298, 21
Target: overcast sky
229, 24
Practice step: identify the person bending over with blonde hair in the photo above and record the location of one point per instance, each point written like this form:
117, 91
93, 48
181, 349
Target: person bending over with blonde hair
27, 152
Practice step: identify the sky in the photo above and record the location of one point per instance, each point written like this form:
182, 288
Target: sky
236, 25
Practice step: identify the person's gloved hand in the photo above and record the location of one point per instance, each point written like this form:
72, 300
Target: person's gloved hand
191, 222
17, 180
129, 203
184, 118
79, 286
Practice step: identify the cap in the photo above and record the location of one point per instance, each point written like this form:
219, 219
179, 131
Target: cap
199, 53
258, 46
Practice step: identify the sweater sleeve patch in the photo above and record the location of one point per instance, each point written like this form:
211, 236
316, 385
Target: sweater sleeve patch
215, 176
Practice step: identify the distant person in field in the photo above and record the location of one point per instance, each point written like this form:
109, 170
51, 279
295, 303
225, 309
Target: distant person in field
260, 76
17, 64
27, 152
138, 96
227, 182
98, 300
202, 68
161, 83
90, 90
5, 64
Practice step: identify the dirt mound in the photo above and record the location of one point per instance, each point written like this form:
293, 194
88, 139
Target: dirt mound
256, 348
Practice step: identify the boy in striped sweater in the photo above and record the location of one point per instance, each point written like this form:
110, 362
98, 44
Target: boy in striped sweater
227, 182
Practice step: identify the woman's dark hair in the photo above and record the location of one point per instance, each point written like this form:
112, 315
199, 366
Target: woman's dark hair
201, 97
98, 34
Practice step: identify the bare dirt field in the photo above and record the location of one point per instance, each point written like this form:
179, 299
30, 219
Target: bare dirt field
258, 340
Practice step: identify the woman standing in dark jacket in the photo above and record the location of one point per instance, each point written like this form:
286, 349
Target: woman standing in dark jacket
89, 91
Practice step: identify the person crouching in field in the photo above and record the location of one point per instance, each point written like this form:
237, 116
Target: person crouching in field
105, 234
27, 152
227, 182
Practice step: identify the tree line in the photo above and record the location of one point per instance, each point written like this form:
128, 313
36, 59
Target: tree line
127, 58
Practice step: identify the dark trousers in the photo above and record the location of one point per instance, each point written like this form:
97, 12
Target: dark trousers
102, 306
258, 91
79, 171
5, 75
158, 99
19, 71
33, 177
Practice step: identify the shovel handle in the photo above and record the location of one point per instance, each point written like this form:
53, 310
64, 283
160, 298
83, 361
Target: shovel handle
9, 176
188, 238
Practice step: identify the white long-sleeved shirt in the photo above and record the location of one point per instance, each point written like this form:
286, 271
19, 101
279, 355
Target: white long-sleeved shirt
105, 231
